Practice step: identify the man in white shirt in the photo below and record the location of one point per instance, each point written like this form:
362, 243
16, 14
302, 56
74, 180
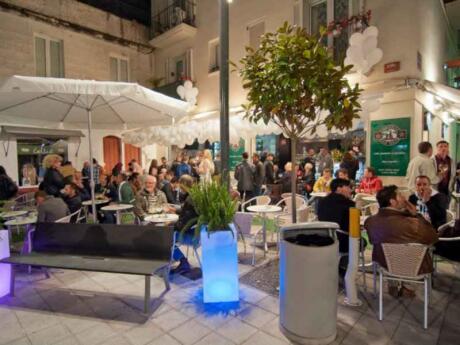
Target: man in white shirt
422, 164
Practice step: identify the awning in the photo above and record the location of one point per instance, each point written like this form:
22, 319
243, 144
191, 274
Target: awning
7, 132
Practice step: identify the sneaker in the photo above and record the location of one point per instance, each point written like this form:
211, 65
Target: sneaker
183, 267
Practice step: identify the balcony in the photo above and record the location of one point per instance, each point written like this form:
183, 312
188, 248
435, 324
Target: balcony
169, 89
173, 24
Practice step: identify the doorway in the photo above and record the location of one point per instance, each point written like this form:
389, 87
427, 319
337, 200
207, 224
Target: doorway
112, 152
132, 152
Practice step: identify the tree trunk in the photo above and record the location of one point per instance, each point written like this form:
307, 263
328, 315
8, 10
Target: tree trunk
293, 179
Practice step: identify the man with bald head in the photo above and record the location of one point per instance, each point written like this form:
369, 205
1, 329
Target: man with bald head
149, 200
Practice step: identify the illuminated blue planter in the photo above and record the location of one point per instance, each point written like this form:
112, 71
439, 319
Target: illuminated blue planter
220, 266
5, 269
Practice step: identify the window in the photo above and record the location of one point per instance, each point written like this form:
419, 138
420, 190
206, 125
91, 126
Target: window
341, 12
214, 56
318, 16
255, 31
49, 57
119, 69
297, 14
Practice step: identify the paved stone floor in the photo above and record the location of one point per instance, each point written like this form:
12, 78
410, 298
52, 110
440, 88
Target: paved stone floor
89, 308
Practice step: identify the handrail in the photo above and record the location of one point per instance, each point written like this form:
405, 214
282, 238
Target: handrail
181, 11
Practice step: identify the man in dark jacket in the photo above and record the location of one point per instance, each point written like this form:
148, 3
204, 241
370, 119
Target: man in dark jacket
71, 197
187, 218
244, 174
167, 187
429, 203
398, 222
269, 170
8, 188
336, 208
259, 174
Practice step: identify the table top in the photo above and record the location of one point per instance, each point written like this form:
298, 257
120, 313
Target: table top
319, 194
22, 221
96, 201
13, 214
117, 207
162, 218
264, 208
370, 198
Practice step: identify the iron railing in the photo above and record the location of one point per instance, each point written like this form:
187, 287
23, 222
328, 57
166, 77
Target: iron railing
181, 11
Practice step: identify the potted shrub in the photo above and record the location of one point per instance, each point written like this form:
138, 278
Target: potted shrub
216, 209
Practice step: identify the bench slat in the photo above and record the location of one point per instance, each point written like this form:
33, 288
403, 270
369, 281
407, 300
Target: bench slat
88, 263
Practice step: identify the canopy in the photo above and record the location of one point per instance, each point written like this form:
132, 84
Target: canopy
92, 102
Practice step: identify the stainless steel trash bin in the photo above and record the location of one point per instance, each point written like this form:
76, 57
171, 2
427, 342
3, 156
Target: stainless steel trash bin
309, 258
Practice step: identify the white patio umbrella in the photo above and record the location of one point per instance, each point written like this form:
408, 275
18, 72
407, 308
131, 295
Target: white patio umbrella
95, 103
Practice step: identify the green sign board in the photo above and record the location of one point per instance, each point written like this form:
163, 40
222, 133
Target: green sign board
235, 154
390, 146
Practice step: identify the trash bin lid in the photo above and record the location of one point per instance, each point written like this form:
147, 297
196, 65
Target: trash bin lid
325, 229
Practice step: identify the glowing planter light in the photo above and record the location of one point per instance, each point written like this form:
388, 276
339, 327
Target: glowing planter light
219, 266
5, 269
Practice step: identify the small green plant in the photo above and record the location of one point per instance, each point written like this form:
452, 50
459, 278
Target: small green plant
214, 206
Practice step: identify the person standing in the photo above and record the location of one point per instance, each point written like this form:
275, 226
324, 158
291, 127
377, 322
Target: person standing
53, 181
183, 168
351, 164
244, 174
422, 164
324, 161
269, 170
206, 167
311, 158
445, 168
259, 174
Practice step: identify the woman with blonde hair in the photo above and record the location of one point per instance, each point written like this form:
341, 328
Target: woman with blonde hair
206, 167
53, 181
29, 175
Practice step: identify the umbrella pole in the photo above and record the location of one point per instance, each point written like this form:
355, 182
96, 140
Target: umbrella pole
91, 166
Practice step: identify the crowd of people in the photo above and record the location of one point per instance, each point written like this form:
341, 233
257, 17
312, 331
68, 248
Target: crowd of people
163, 188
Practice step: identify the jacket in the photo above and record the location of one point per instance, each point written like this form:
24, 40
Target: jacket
186, 214
169, 193
51, 210
53, 182
183, 169
394, 226
143, 204
453, 171
8, 188
321, 185
421, 165
370, 185
244, 174
259, 173
74, 204
125, 193
324, 161
436, 207
336, 208
352, 166
269, 172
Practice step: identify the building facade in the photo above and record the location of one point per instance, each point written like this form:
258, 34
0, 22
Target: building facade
70, 39
414, 35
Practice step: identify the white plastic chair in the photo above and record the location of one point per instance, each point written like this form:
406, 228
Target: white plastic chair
403, 262
65, 219
289, 195
259, 200
450, 216
243, 224
287, 202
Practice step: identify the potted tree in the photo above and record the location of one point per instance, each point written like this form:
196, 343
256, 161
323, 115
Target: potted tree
216, 209
292, 80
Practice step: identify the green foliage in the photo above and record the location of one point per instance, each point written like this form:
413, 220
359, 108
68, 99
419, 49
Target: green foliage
214, 206
293, 81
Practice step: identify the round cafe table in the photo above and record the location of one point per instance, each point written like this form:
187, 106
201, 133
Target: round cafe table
162, 218
12, 214
370, 198
96, 202
319, 194
117, 208
263, 210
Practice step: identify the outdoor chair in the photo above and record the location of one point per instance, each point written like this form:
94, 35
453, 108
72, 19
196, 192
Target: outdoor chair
438, 258
258, 200
289, 195
404, 261
128, 217
286, 203
450, 216
243, 224
66, 219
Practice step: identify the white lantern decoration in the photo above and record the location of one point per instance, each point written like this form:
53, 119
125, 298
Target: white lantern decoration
188, 92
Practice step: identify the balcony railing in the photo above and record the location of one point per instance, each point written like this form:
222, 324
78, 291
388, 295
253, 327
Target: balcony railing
182, 11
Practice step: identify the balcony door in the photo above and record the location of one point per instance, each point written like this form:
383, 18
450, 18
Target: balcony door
112, 151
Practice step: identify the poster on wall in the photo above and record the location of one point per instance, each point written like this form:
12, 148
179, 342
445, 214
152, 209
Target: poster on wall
390, 146
236, 153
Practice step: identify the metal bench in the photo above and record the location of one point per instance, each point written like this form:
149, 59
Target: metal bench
125, 249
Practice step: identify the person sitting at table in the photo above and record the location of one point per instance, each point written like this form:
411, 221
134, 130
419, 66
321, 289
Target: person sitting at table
8, 188
128, 188
187, 214
308, 178
53, 181
49, 208
335, 208
71, 197
84, 193
429, 203
398, 222
323, 184
168, 187
111, 191
370, 183
149, 200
